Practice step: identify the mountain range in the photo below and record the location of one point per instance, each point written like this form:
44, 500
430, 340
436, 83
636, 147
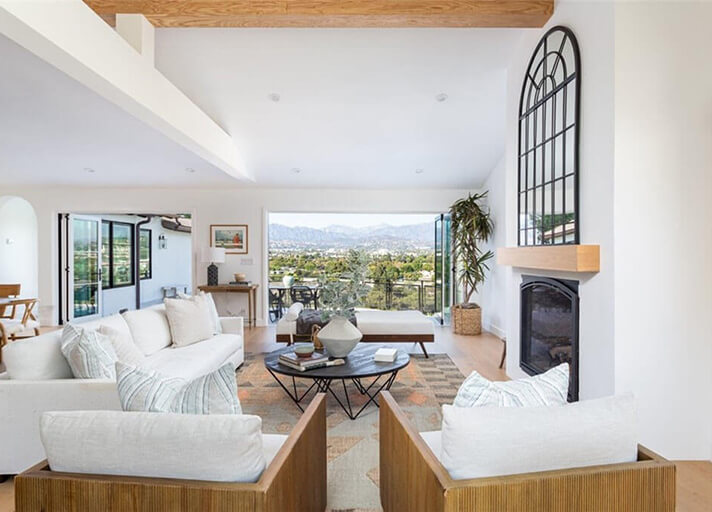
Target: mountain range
415, 237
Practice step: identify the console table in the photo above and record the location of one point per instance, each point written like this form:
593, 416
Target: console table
249, 289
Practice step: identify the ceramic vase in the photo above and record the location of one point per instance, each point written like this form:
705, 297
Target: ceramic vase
339, 337
288, 281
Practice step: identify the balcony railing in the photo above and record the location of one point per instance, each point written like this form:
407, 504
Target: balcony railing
391, 296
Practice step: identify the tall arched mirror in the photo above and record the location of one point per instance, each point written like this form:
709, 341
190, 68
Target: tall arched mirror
548, 142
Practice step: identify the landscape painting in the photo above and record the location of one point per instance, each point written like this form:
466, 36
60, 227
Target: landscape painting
231, 237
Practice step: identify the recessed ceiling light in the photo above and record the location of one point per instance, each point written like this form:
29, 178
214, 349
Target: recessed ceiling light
189, 169
441, 97
419, 171
274, 97
89, 169
296, 170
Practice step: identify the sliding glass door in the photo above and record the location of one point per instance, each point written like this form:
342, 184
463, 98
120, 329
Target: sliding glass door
85, 267
444, 270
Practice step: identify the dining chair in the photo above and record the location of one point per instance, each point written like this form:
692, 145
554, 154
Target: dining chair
13, 326
276, 303
303, 294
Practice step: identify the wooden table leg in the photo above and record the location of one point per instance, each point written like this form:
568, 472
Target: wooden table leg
249, 308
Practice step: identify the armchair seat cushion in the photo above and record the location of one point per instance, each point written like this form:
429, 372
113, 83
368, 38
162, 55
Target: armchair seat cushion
219, 448
15, 326
479, 442
195, 360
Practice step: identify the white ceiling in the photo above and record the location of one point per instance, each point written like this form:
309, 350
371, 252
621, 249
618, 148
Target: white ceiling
357, 106
52, 128
357, 109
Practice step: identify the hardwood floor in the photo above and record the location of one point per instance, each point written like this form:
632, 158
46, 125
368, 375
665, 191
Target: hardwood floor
481, 353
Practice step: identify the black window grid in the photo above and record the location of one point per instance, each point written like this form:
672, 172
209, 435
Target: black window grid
548, 143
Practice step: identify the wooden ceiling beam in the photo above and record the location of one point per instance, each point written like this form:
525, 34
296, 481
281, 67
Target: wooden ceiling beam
332, 13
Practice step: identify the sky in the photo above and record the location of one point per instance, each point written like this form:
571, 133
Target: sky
356, 220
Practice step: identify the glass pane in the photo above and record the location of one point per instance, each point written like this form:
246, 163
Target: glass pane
86, 267
105, 254
144, 264
121, 253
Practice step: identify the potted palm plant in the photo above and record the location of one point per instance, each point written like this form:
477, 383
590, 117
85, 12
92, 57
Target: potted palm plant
470, 226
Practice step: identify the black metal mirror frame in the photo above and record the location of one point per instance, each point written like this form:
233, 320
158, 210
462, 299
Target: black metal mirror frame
537, 99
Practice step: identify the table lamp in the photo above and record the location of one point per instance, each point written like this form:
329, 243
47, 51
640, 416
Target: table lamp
213, 255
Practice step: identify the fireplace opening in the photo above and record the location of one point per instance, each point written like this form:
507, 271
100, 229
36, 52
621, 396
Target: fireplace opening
550, 327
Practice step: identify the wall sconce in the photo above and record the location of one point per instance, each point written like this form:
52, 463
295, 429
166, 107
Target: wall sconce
162, 244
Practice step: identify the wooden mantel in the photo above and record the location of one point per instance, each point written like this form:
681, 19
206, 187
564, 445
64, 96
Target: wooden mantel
565, 258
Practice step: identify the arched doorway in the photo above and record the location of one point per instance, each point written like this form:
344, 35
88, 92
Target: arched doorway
18, 244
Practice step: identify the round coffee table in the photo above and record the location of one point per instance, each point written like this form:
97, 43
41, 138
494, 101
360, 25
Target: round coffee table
359, 365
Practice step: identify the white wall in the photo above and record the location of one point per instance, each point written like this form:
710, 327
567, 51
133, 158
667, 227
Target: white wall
663, 230
593, 25
170, 266
214, 206
493, 294
18, 244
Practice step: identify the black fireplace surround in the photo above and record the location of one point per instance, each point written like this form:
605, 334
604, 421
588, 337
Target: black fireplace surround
550, 327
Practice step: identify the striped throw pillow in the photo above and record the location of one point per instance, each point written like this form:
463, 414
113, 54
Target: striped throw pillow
145, 390
549, 388
90, 354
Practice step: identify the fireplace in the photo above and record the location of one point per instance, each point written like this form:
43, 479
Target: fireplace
550, 327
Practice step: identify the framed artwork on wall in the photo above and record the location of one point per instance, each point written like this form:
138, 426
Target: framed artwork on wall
231, 237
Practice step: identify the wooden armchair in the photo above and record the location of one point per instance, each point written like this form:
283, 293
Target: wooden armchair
413, 479
295, 480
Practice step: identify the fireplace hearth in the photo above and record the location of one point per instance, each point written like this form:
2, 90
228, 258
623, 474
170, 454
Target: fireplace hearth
550, 327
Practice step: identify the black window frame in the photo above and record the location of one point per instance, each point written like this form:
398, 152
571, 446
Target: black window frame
530, 150
132, 252
150, 254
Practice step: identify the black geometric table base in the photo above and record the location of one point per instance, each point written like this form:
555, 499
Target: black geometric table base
325, 385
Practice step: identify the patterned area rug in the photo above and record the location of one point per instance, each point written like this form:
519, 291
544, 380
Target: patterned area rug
352, 452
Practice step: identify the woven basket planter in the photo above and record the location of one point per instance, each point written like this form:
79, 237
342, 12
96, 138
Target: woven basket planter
467, 319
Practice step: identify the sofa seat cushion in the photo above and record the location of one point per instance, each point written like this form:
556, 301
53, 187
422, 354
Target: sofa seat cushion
219, 448
480, 442
195, 360
149, 329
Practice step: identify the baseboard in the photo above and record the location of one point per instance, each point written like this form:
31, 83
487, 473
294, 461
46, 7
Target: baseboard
497, 331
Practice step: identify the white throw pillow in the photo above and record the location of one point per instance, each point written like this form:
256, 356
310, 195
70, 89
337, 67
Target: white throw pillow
480, 442
293, 312
126, 351
549, 388
213, 310
220, 448
149, 329
144, 390
90, 354
213, 313
190, 320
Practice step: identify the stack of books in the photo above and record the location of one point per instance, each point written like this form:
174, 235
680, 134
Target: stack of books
317, 360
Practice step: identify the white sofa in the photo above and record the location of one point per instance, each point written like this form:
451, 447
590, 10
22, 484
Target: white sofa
38, 379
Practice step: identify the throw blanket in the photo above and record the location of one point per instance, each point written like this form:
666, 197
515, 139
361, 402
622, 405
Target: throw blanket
310, 317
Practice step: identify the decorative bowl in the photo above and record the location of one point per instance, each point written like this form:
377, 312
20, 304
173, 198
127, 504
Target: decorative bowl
239, 277
304, 350
339, 337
